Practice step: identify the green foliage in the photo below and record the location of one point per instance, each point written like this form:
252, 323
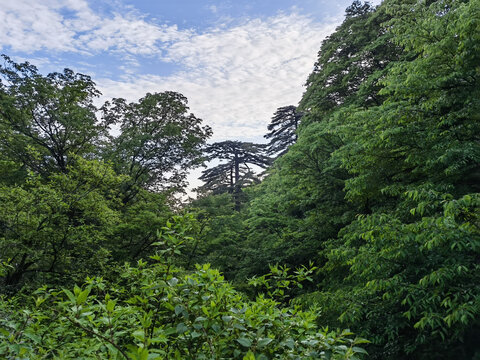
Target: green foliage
279, 282
158, 143
379, 193
140, 220
410, 285
75, 200
219, 234
158, 311
283, 130
403, 272
427, 129
380, 190
58, 229
236, 173
302, 203
44, 120
350, 63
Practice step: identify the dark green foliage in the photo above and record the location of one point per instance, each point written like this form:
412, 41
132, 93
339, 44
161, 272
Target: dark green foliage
427, 130
379, 194
74, 200
46, 119
381, 188
136, 231
403, 271
283, 130
219, 234
350, 63
411, 285
157, 311
237, 172
302, 204
56, 230
158, 143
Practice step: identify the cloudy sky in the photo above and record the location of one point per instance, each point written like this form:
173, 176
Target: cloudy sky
236, 61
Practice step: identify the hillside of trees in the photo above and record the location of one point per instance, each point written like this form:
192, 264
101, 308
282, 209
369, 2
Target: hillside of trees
352, 233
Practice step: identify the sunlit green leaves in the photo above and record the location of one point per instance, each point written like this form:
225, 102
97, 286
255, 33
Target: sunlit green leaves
197, 316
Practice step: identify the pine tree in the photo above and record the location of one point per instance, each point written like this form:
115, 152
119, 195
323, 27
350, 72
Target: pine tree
237, 172
283, 129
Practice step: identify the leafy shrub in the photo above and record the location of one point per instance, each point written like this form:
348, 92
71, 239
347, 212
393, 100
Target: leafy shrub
156, 311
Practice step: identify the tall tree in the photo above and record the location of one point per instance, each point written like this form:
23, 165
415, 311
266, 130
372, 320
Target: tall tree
350, 63
64, 211
159, 140
44, 120
412, 261
307, 188
302, 203
283, 129
237, 172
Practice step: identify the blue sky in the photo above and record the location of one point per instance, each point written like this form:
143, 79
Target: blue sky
236, 61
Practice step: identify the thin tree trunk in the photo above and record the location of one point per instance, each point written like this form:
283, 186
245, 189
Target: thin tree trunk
236, 193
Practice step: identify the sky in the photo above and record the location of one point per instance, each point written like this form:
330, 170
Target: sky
236, 61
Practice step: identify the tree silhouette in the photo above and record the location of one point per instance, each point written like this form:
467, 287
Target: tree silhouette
283, 129
237, 172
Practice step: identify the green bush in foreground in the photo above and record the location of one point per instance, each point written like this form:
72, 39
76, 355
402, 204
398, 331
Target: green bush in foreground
157, 311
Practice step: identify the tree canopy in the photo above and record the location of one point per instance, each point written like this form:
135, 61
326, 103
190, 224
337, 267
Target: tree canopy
45, 120
380, 188
159, 140
283, 129
76, 199
237, 172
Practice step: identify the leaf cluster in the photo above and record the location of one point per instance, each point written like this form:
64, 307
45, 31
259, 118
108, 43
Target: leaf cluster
159, 311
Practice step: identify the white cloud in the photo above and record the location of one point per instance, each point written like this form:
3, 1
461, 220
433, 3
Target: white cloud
236, 78
29, 26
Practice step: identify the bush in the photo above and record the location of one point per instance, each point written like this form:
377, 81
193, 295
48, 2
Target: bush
156, 311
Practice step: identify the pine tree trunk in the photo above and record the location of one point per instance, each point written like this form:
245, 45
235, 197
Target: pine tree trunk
236, 192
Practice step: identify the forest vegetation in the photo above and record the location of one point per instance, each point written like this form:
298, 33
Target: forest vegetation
353, 233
